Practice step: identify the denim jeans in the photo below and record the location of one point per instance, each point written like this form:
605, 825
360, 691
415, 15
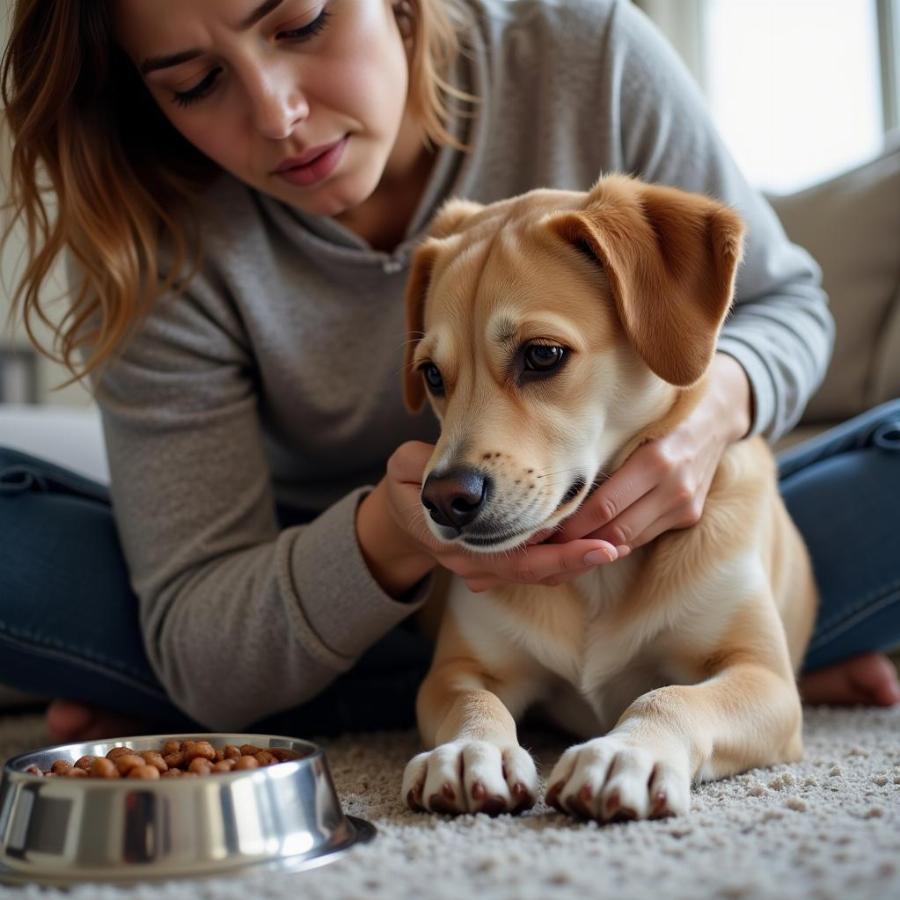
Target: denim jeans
69, 620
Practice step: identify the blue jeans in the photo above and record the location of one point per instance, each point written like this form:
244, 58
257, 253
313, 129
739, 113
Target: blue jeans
69, 621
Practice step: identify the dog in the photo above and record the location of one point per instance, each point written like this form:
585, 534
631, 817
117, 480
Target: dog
554, 333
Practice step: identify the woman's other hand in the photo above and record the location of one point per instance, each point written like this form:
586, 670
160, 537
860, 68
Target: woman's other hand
664, 483
400, 549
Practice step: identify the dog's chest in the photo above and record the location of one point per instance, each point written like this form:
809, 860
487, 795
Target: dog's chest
570, 632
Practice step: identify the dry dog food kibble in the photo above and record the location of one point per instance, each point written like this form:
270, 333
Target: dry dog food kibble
175, 759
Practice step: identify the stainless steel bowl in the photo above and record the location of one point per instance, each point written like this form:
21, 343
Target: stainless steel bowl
57, 830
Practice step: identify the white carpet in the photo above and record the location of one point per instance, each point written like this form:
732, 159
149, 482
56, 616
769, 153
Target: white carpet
826, 828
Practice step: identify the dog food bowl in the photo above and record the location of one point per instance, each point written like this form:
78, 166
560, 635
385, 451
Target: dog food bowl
64, 830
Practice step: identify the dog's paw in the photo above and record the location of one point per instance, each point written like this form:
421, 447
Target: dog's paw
611, 779
467, 776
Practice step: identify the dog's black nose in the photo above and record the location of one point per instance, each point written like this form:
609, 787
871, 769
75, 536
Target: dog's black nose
455, 498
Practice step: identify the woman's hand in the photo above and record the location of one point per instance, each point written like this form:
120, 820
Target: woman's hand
400, 549
663, 484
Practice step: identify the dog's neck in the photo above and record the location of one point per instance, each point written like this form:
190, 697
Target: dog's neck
684, 402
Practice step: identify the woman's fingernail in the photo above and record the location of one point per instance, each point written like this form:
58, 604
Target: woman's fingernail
598, 556
623, 550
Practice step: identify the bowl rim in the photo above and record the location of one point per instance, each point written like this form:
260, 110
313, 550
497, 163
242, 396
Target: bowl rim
14, 774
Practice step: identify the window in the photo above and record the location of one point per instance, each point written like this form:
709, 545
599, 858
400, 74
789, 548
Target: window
794, 86
800, 89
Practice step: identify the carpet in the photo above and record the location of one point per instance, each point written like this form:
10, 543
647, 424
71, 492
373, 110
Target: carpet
828, 827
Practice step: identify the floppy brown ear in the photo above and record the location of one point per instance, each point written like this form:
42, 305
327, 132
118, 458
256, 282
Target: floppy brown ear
416, 289
449, 220
671, 258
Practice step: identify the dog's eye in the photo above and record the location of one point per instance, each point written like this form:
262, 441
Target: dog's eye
433, 378
543, 357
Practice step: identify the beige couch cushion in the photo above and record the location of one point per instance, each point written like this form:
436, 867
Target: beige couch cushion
851, 225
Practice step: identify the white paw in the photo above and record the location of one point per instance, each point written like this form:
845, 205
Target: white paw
467, 776
612, 779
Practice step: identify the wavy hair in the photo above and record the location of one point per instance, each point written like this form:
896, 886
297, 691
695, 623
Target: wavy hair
118, 174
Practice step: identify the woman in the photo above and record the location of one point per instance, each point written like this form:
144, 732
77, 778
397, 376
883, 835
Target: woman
265, 475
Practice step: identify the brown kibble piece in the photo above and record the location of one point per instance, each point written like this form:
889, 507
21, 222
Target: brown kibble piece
199, 750
172, 773
116, 752
247, 762
146, 772
174, 760
200, 765
127, 762
224, 765
75, 772
60, 767
264, 758
104, 768
85, 762
152, 758
232, 752
171, 747
283, 754
249, 749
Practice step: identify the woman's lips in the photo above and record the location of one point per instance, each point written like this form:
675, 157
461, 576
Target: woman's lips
316, 169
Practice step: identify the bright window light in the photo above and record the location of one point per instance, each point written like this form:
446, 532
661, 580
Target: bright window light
794, 86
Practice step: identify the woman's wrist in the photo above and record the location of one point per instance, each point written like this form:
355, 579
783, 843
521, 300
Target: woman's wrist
396, 562
731, 393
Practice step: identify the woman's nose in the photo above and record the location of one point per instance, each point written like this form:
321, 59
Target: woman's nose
278, 104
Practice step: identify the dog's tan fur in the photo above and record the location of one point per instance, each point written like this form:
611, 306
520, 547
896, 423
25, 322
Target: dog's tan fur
676, 663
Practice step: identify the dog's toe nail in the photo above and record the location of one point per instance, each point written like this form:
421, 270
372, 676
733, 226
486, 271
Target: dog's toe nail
612, 805
478, 791
448, 792
660, 803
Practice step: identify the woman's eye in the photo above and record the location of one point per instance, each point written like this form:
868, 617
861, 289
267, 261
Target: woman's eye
186, 98
543, 357
433, 378
307, 31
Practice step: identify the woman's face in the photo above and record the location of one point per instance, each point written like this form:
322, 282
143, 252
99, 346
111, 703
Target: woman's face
254, 85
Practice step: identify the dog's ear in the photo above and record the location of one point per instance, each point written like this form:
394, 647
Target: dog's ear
671, 258
452, 216
416, 289
451, 219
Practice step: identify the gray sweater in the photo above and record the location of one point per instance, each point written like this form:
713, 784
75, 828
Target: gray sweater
275, 376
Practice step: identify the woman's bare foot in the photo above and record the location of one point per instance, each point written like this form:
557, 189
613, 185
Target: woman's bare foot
69, 721
869, 679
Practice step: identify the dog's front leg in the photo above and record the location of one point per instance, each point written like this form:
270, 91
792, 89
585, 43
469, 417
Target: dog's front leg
746, 715
477, 764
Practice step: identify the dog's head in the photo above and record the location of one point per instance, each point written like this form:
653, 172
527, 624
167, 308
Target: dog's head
547, 331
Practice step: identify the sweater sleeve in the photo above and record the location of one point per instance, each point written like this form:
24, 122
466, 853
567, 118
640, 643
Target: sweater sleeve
780, 328
240, 619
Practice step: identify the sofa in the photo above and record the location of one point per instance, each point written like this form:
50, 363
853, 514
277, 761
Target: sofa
850, 224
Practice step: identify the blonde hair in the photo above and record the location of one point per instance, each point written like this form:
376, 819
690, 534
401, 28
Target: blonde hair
120, 174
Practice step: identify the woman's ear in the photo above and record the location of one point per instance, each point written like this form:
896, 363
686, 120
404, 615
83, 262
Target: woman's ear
671, 259
416, 291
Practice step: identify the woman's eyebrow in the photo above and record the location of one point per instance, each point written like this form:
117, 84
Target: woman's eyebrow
153, 63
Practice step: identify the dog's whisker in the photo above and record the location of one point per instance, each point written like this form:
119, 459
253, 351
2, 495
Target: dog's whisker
559, 472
